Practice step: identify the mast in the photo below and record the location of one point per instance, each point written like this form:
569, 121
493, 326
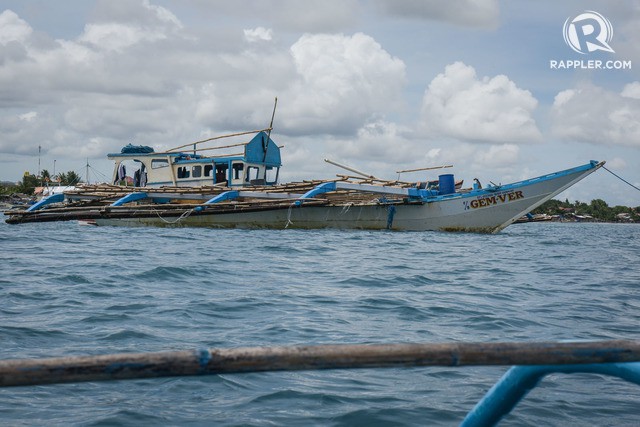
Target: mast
265, 144
39, 151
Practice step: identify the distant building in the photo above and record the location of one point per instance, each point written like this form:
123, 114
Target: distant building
624, 217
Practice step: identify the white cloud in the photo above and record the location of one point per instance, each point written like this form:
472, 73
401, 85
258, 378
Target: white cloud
313, 16
28, 117
459, 105
135, 75
117, 36
376, 140
499, 156
592, 114
12, 28
110, 81
326, 84
341, 82
122, 24
631, 90
625, 17
138, 13
258, 34
472, 13
617, 163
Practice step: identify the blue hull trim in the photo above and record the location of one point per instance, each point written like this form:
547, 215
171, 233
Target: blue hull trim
515, 185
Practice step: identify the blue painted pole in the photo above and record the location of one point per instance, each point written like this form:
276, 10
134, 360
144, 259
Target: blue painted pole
131, 197
54, 198
519, 380
503, 396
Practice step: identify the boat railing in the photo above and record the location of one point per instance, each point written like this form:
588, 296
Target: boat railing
532, 362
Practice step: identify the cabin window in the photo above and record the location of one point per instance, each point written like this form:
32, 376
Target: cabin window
252, 173
183, 172
221, 173
159, 163
272, 175
208, 170
237, 170
196, 171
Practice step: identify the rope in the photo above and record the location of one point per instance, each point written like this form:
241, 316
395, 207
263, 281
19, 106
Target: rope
289, 216
180, 218
346, 208
620, 178
98, 173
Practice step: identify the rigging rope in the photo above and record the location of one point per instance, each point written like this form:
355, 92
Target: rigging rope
620, 178
96, 172
289, 216
180, 218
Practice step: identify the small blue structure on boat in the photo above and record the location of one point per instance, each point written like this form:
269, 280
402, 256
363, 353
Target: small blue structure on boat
446, 184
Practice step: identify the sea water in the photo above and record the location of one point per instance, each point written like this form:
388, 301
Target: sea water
68, 289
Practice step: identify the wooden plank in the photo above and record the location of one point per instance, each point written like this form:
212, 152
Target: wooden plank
263, 359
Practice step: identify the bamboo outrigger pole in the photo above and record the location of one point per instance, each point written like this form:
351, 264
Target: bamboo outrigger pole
425, 169
213, 139
262, 359
366, 175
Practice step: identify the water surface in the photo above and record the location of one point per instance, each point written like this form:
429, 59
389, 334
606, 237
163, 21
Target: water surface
68, 289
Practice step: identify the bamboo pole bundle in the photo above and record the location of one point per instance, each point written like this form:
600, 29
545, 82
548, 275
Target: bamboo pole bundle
382, 182
262, 359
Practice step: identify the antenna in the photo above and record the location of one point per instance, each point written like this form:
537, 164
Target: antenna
265, 144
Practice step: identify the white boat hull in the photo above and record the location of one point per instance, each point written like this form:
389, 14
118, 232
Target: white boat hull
487, 211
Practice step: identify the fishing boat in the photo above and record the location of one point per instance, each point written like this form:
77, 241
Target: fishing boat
187, 189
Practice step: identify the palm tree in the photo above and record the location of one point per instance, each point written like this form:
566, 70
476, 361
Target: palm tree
69, 178
45, 176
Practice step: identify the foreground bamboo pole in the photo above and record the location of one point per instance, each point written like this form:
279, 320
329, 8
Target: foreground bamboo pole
262, 359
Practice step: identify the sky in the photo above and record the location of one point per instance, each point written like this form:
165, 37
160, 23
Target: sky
379, 85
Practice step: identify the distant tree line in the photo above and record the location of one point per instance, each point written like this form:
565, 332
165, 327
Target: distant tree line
598, 209
31, 181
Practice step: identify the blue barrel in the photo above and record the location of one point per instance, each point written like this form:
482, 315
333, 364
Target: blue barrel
446, 184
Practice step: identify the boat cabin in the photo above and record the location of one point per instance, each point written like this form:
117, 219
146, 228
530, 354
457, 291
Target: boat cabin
141, 166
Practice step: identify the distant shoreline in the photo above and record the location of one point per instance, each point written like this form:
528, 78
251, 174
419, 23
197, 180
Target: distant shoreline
565, 221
